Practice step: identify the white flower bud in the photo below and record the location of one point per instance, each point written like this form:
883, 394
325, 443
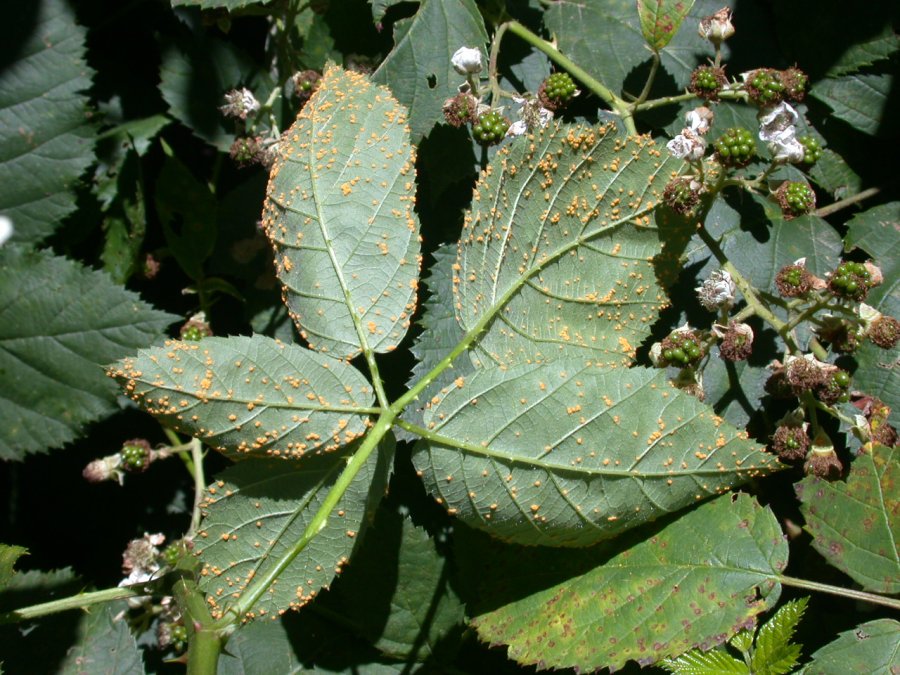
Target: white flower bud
687, 145
717, 292
6, 229
467, 60
717, 27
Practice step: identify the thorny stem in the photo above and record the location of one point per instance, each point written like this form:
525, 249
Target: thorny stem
884, 601
492, 63
619, 106
262, 582
844, 203
80, 601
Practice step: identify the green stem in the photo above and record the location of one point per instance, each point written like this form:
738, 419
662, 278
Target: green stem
492, 64
844, 203
194, 465
205, 639
893, 603
619, 106
651, 77
262, 582
79, 601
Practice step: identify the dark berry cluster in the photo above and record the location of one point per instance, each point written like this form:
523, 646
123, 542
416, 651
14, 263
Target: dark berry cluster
135, 455
735, 147
793, 281
812, 150
851, 280
681, 348
795, 198
681, 195
490, 128
556, 91
707, 82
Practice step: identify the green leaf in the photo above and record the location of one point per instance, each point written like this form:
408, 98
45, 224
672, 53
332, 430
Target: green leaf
380, 8
866, 52
714, 662
693, 583
105, 645
339, 213
59, 324
833, 174
250, 396
257, 510
859, 100
418, 68
558, 250
397, 592
773, 653
8, 557
568, 454
44, 119
661, 19
872, 648
856, 524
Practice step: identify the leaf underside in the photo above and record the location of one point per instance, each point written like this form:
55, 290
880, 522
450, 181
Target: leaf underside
259, 508
568, 454
250, 396
339, 213
694, 583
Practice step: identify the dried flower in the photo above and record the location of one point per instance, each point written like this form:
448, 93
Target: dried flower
687, 145
239, 103
736, 341
805, 373
791, 442
467, 60
532, 115
717, 292
718, 27
794, 280
778, 129
140, 561
823, 461
461, 109
699, 119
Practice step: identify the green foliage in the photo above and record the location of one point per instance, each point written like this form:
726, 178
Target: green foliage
563, 329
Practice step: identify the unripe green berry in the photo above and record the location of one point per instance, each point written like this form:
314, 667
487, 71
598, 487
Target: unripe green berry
795, 198
556, 91
764, 87
735, 147
682, 194
795, 83
851, 280
835, 388
812, 150
680, 349
490, 128
135, 455
707, 82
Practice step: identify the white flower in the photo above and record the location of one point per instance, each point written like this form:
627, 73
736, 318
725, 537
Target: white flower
6, 229
532, 116
778, 129
467, 60
717, 291
687, 145
240, 103
699, 119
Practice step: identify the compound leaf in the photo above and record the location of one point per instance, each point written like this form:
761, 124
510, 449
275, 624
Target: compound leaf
856, 524
714, 662
48, 140
872, 648
557, 253
568, 454
694, 583
60, 323
250, 395
661, 19
418, 69
339, 212
257, 509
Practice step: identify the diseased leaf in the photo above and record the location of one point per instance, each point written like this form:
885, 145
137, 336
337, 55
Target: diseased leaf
418, 68
258, 508
8, 557
859, 100
556, 254
693, 583
661, 19
104, 646
568, 454
48, 139
872, 648
856, 524
774, 653
59, 324
250, 396
397, 592
340, 197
